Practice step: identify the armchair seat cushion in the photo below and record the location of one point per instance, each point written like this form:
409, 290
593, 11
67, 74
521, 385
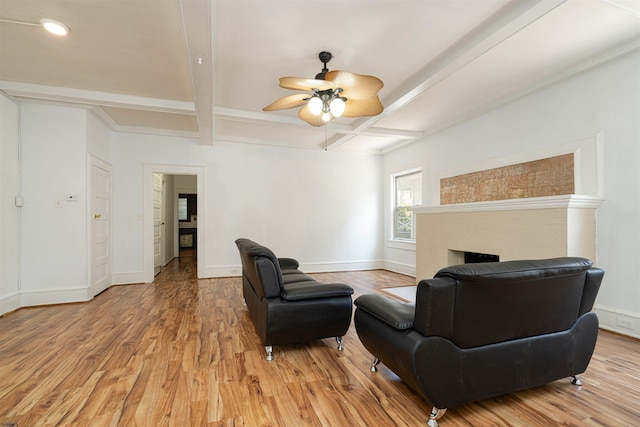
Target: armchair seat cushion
296, 276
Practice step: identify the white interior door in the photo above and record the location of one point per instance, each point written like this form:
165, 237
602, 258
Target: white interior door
157, 223
100, 189
163, 223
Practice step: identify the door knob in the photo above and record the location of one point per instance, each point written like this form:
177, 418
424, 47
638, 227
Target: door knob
97, 216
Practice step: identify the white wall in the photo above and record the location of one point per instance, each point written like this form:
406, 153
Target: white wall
323, 208
98, 133
605, 101
54, 231
44, 156
186, 184
9, 213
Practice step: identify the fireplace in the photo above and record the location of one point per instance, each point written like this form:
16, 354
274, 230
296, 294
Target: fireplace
532, 228
475, 257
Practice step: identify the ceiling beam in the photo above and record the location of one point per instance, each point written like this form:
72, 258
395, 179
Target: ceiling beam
92, 97
197, 18
511, 19
247, 116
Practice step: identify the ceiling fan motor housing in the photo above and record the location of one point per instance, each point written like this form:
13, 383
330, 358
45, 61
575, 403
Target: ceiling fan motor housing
324, 58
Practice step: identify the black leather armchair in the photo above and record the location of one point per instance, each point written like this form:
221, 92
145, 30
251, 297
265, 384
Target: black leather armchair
287, 306
480, 330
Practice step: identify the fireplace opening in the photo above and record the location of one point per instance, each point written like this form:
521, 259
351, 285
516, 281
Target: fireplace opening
475, 257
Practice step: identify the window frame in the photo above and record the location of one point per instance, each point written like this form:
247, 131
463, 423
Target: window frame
394, 206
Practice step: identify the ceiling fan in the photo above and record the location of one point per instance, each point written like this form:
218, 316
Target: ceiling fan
334, 94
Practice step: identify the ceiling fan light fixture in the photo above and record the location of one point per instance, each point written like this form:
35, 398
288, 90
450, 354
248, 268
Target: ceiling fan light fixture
55, 27
326, 100
315, 105
337, 107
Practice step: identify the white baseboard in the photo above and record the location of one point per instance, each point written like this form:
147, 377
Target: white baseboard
127, 278
223, 271
330, 267
53, 296
9, 303
619, 321
409, 270
314, 267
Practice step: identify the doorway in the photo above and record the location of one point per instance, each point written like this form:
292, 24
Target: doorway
175, 218
177, 180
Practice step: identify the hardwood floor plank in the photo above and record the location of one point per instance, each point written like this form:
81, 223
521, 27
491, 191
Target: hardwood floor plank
183, 352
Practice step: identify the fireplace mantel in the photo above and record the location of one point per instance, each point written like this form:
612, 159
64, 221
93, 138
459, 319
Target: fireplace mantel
550, 202
531, 228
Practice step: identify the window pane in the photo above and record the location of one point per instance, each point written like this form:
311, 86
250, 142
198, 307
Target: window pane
182, 209
404, 223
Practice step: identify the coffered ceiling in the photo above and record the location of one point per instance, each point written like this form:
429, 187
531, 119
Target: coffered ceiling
205, 69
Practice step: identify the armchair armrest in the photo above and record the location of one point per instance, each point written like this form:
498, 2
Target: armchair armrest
313, 290
288, 263
394, 313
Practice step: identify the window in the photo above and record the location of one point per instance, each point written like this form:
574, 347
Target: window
408, 193
183, 210
187, 207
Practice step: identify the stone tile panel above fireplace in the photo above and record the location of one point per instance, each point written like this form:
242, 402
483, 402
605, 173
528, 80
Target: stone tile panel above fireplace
551, 176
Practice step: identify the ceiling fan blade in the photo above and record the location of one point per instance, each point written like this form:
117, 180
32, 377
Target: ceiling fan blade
308, 117
290, 101
301, 83
355, 86
362, 107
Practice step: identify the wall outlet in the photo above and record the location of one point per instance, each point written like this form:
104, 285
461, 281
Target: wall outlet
625, 323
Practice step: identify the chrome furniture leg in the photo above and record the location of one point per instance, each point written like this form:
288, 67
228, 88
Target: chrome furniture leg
339, 341
374, 365
435, 414
576, 380
269, 349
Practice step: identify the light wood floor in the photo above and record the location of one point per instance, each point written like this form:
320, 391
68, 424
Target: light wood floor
183, 352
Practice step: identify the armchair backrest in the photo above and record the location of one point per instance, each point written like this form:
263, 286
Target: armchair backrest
485, 303
260, 268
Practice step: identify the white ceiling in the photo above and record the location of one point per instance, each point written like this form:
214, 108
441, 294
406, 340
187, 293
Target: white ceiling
204, 69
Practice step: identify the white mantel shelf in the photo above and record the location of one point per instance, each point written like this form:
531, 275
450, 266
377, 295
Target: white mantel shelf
550, 202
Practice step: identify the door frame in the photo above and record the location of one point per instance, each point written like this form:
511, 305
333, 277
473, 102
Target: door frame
147, 246
158, 222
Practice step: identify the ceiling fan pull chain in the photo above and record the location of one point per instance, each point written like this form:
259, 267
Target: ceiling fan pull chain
325, 138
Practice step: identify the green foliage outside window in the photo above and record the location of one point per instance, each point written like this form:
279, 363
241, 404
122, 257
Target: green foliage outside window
404, 222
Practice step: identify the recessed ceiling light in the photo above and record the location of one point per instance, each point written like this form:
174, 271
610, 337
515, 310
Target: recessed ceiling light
55, 27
